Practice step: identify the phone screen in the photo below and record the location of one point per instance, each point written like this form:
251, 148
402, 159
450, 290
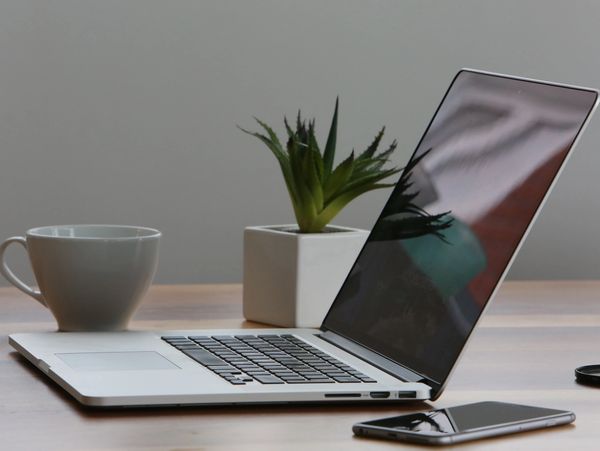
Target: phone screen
463, 418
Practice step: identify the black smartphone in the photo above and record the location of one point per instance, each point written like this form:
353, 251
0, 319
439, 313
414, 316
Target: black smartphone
463, 423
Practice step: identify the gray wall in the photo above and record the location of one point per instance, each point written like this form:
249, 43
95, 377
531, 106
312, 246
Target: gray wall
119, 111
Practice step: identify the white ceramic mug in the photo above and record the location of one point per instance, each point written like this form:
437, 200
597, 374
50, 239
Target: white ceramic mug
91, 277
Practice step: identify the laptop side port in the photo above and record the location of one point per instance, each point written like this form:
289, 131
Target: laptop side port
379, 394
343, 395
407, 394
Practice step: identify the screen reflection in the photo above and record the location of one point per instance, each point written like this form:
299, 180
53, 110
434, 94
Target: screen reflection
456, 217
465, 418
434, 422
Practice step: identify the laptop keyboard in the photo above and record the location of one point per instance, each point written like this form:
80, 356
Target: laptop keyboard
267, 359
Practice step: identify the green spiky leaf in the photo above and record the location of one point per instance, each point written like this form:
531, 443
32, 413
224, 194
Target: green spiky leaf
339, 177
329, 152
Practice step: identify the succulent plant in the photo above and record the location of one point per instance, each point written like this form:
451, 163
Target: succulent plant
319, 191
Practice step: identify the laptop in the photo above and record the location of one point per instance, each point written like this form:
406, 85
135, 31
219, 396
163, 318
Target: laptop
433, 260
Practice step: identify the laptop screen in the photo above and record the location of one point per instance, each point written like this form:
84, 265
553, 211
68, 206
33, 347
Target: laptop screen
456, 217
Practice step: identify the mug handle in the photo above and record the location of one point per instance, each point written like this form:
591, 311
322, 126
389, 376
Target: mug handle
10, 276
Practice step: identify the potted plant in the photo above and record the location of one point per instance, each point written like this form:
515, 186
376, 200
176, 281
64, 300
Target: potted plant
292, 273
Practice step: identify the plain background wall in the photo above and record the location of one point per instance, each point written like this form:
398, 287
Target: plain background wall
124, 111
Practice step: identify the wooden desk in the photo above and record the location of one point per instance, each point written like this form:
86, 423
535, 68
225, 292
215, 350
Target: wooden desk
525, 350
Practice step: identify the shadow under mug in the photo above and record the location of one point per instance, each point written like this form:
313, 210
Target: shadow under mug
91, 277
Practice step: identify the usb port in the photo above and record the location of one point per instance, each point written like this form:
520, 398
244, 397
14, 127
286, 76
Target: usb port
379, 394
407, 394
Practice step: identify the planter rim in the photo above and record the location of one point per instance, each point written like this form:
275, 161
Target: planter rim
272, 229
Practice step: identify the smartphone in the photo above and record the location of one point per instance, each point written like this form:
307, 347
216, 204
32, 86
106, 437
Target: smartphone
463, 423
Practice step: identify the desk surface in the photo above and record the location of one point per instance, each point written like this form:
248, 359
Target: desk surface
524, 350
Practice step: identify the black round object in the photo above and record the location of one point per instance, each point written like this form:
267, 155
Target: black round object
588, 374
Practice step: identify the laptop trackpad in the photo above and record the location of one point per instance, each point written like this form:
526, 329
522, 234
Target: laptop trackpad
116, 361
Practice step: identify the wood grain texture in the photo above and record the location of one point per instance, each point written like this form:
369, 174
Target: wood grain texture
525, 350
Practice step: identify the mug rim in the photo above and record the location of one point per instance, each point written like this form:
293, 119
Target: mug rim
149, 233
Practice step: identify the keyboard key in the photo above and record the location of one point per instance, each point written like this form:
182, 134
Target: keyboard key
222, 337
249, 367
215, 348
204, 340
277, 369
357, 374
315, 376
346, 380
336, 373
299, 367
294, 377
232, 371
220, 367
264, 361
268, 379
368, 380
290, 361
309, 373
284, 373
258, 373
203, 357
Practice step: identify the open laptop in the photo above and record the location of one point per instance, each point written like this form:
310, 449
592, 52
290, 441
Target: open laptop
434, 259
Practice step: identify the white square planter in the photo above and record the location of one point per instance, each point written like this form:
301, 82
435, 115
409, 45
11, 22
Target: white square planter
291, 279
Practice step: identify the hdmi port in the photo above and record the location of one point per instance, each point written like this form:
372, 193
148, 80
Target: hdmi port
380, 394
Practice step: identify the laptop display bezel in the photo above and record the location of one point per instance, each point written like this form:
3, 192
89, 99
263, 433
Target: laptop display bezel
399, 369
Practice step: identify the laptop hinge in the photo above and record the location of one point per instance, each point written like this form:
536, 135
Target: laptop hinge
372, 358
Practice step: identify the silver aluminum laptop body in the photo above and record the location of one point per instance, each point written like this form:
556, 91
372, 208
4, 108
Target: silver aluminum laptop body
168, 377
481, 117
